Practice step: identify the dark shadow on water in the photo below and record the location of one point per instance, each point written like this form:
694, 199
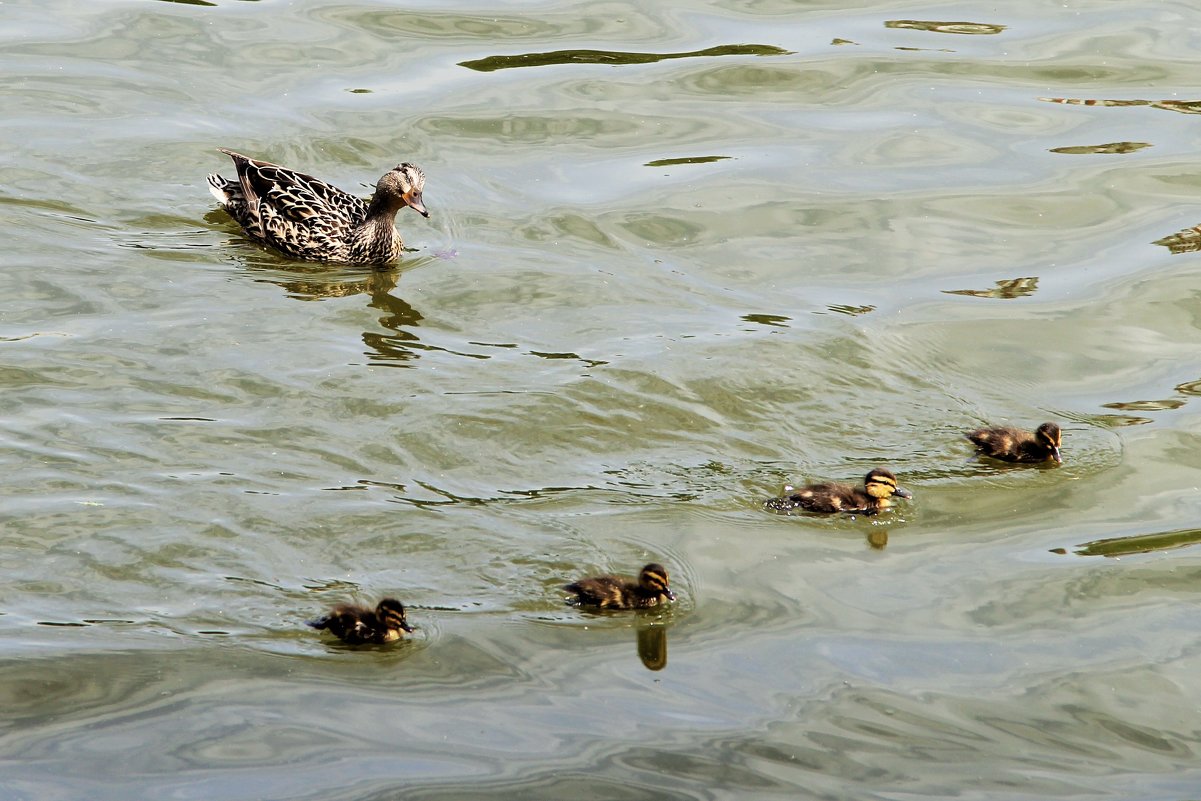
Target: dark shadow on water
611, 57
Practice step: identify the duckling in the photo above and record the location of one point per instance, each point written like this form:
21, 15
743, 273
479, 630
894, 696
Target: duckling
878, 488
1016, 445
358, 625
615, 592
306, 218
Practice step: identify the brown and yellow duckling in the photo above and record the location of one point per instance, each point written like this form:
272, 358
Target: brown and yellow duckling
615, 592
1017, 445
358, 625
305, 218
879, 487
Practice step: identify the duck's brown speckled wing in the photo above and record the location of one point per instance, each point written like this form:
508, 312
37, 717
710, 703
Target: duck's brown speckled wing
296, 213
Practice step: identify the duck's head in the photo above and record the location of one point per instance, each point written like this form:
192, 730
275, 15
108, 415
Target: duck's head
653, 578
882, 484
1049, 437
405, 182
391, 613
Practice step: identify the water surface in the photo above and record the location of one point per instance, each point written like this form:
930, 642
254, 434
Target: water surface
677, 256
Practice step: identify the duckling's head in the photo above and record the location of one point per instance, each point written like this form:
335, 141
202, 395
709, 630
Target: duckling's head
405, 183
882, 484
653, 578
391, 613
1048, 435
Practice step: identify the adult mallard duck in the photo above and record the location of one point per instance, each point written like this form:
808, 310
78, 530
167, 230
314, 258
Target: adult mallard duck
615, 592
879, 486
1018, 445
358, 625
306, 218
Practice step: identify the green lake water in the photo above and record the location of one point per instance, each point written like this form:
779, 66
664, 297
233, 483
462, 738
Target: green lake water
679, 255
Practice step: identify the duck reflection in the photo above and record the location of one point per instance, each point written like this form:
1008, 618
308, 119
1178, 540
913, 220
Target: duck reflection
399, 343
399, 317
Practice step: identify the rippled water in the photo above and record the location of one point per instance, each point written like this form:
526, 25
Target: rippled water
678, 255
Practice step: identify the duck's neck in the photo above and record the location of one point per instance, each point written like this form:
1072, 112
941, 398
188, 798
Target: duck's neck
383, 208
376, 239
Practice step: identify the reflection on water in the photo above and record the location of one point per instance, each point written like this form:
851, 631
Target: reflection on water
1188, 389
611, 57
849, 310
1145, 405
1108, 148
1138, 543
1181, 106
935, 26
1006, 289
685, 160
652, 645
1186, 241
657, 291
395, 349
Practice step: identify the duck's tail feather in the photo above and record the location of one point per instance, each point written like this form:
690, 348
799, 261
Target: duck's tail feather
219, 188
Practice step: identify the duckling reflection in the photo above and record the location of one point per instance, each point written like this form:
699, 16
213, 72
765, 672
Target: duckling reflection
359, 625
616, 592
1019, 445
879, 487
652, 646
